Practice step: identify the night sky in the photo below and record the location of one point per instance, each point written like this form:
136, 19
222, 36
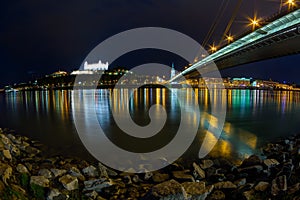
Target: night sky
40, 37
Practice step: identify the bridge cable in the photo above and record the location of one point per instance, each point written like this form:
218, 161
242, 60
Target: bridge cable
217, 19
233, 16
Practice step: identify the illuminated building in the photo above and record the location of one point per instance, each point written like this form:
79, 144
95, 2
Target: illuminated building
81, 72
241, 82
58, 74
96, 66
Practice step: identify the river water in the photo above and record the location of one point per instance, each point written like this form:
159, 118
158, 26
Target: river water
253, 118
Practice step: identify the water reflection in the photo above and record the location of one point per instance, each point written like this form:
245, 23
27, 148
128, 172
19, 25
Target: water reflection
253, 116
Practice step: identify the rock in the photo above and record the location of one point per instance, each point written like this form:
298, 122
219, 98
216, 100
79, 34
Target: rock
69, 182
11, 137
136, 179
127, 179
217, 195
182, 176
5, 140
91, 195
252, 160
198, 171
19, 190
148, 175
271, 163
294, 188
96, 184
262, 186
40, 181
53, 194
249, 195
58, 172
158, 177
197, 190
230, 177
5, 172
255, 169
210, 172
102, 170
90, 171
45, 172
111, 173
279, 184
225, 185
287, 169
206, 164
14, 150
23, 145
240, 182
76, 173
7, 154
224, 164
32, 151
169, 190
22, 169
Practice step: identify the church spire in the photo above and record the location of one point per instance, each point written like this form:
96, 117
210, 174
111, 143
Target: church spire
172, 71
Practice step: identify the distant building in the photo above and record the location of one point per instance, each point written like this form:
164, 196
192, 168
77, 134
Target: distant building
172, 71
58, 74
96, 66
92, 68
241, 82
81, 72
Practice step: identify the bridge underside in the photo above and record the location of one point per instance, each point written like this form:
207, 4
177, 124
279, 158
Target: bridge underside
282, 44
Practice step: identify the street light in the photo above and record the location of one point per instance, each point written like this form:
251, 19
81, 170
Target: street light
229, 38
290, 3
254, 22
213, 48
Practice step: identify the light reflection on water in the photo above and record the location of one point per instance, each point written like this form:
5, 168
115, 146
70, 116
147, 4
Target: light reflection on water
253, 117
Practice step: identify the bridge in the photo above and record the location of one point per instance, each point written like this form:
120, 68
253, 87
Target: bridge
278, 38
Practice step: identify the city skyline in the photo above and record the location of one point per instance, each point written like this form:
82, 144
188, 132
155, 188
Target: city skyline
36, 38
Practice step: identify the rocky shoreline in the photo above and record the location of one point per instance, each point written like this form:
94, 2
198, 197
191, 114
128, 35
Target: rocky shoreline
25, 173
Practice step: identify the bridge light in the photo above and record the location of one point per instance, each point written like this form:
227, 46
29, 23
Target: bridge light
213, 48
229, 38
290, 3
254, 22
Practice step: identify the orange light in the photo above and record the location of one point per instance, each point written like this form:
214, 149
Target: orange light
213, 48
229, 38
255, 22
290, 3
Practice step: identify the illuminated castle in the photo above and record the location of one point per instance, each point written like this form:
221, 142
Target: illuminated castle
95, 66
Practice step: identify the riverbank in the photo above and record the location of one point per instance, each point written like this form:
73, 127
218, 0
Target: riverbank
26, 173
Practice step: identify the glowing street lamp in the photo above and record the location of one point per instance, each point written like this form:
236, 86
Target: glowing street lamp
254, 22
213, 48
290, 3
229, 38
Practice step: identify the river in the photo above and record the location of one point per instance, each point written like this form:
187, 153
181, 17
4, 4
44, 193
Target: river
253, 118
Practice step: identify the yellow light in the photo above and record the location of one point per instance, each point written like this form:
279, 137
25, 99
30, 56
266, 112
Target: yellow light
290, 3
255, 22
213, 48
229, 38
